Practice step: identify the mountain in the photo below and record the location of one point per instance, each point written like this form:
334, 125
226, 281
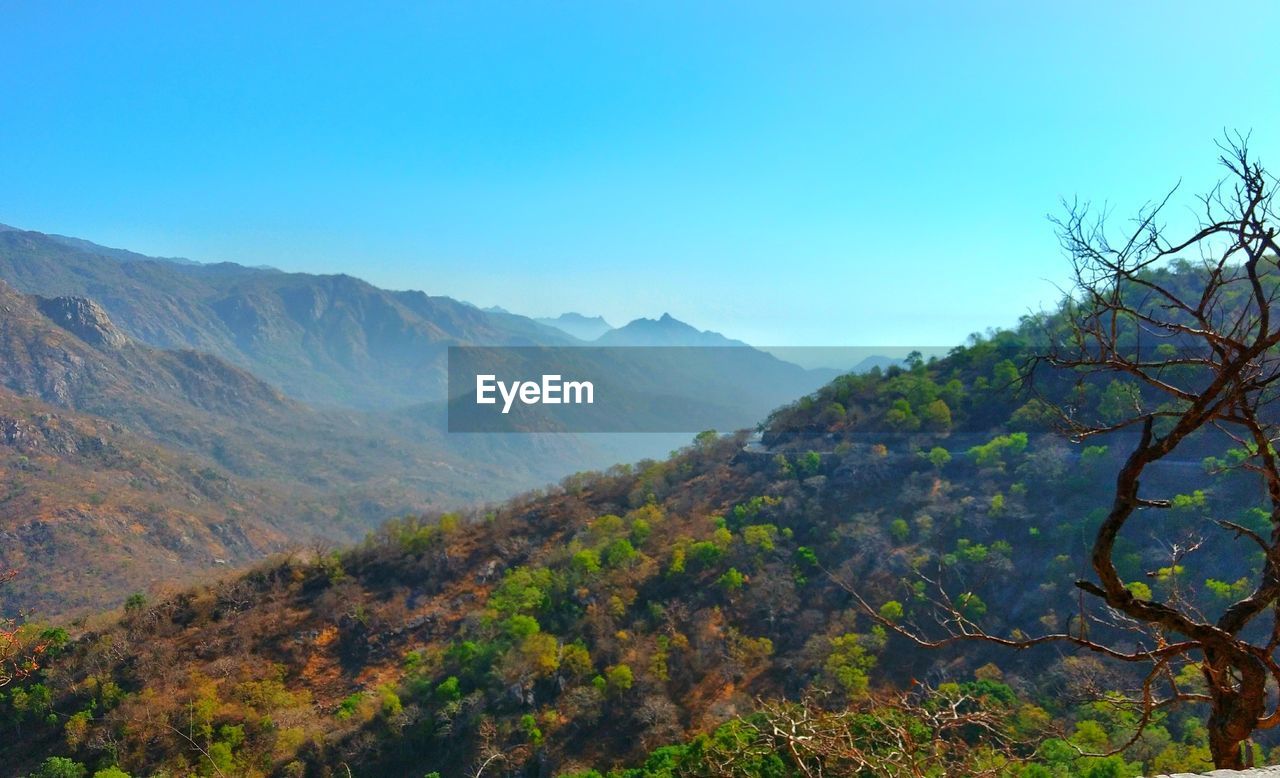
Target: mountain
99, 511
193, 409
664, 331
586, 328
67, 351
325, 387
318, 388
328, 340
675, 615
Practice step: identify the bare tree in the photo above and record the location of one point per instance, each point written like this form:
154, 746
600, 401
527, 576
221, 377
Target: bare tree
492, 753
912, 735
1219, 375
1194, 353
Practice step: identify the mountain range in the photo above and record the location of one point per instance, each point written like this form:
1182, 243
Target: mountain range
328, 340
318, 399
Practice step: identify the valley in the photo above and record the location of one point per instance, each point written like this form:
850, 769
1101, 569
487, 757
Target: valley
318, 399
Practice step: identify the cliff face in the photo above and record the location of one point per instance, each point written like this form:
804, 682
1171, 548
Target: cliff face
83, 318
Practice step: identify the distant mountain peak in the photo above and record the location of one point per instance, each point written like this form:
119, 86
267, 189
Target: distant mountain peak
83, 318
575, 316
578, 325
666, 330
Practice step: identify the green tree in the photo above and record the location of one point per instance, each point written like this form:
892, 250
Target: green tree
848, 664
135, 603
936, 417
971, 605
996, 452
586, 562
900, 416
891, 611
449, 690
619, 553
575, 659
900, 530
60, 767
761, 536
731, 580
809, 464
618, 679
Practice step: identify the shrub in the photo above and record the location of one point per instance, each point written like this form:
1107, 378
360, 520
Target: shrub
996, 452
761, 536
732, 580
848, 664
900, 530
449, 690
618, 679
619, 553
60, 767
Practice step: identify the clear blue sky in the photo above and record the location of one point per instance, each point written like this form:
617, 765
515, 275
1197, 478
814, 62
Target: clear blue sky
787, 173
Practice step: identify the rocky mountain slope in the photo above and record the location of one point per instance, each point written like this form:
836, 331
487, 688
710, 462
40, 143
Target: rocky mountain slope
314, 387
67, 357
324, 340
90, 512
331, 340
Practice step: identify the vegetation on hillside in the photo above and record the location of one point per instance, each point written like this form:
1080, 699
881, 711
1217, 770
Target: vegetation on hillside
604, 622
125, 467
910, 572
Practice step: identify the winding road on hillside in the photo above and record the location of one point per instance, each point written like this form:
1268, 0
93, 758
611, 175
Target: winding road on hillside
755, 446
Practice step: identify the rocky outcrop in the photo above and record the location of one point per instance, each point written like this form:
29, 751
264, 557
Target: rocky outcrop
83, 318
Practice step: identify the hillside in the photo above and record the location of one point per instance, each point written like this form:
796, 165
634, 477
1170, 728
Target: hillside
99, 512
310, 387
589, 626
67, 357
184, 399
332, 340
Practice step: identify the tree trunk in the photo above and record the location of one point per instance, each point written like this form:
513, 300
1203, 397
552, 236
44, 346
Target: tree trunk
1239, 701
1225, 746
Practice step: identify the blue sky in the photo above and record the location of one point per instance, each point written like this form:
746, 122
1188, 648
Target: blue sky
787, 173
